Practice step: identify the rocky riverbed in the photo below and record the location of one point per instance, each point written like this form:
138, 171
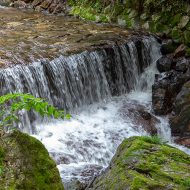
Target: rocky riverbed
27, 36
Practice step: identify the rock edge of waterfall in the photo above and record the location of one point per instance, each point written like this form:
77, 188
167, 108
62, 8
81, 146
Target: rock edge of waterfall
145, 163
26, 164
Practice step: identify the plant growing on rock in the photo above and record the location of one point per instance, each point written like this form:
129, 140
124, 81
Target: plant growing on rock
12, 104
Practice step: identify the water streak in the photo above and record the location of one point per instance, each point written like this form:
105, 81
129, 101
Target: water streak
82, 79
86, 143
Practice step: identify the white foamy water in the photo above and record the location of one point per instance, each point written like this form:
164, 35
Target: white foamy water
86, 143
89, 140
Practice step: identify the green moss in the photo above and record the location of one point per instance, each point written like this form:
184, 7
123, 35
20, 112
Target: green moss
157, 16
188, 52
30, 166
175, 20
1, 160
186, 37
146, 163
176, 35
153, 139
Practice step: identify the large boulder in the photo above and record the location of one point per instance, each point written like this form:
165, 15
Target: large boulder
165, 89
180, 121
145, 163
25, 164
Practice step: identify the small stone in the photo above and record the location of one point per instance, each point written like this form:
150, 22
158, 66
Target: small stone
184, 141
167, 47
146, 25
180, 51
183, 22
164, 64
182, 65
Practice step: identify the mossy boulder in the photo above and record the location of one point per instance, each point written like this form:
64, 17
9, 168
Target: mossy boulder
26, 165
145, 163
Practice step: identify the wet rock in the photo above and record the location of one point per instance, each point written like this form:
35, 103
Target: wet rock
164, 64
31, 36
183, 22
140, 117
46, 4
180, 51
75, 185
136, 164
184, 141
182, 64
5, 2
36, 3
167, 47
26, 164
180, 120
18, 4
165, 89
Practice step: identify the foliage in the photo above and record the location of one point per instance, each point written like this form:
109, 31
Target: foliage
11, 105
164, 16
152, 139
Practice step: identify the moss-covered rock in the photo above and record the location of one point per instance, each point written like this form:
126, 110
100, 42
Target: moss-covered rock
145, 163
25, 164
169, 17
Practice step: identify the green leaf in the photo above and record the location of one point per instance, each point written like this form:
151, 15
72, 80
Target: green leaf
11, 104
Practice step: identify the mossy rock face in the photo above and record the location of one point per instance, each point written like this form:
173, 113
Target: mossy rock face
169, 17
177, 35
145, 163
26, 164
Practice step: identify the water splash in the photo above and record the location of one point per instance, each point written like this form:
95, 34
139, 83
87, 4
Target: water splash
86, 143
78, 80
88, 140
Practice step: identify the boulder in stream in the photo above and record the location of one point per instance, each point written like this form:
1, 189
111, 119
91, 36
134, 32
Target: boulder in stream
140, 116
25, 164
145, 163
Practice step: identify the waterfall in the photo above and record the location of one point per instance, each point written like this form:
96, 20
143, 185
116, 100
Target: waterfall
70, 82
85, 144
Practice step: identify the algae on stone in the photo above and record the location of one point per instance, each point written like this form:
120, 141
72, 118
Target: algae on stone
145, 163
152, 15
26, 164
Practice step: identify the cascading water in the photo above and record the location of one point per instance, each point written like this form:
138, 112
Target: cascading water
93, 86
74, 81
85, 144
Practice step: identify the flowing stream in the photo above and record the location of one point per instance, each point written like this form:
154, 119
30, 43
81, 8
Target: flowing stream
94, 87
